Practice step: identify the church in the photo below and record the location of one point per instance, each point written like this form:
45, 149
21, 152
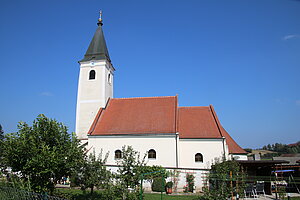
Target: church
187, 139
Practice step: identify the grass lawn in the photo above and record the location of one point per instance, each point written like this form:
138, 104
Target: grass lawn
169, 197
78, 194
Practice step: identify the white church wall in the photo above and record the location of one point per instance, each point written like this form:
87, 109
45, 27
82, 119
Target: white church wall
199, 181
211, 149
164, 145
239, 157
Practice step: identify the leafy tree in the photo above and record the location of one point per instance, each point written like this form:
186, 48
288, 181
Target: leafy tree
152, 172
92, 173
1, 133
279, 148
1, 147
131, 167
219, 181
43, 152
158, 184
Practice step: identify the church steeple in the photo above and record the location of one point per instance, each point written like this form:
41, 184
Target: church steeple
97, 49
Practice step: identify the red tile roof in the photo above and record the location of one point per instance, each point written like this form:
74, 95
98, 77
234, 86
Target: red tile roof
155, 115
197, 122
136, 116
233, 147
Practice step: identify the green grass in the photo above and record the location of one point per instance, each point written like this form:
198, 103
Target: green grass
80, 195
169, 197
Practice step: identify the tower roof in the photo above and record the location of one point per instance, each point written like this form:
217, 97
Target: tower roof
97, 49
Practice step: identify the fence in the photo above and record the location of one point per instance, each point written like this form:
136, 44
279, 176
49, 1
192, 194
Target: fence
9, 193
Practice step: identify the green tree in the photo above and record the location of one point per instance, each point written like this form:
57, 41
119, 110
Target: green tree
1, 148
219, 181
131, 167
1, 133
43, 152
93, 173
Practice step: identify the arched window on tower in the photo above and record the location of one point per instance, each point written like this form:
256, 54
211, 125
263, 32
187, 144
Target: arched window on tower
109, 78
118, 154
198, 157
152, 154
92, 75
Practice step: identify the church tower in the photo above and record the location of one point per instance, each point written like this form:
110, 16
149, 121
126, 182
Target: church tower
95, 84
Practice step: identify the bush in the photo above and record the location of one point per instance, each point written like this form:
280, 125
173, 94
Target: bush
169, 184
158, 184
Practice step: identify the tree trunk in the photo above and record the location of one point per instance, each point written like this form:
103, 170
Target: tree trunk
92, 189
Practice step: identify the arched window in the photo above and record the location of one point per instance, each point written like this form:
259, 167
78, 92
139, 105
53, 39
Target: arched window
152, 154
92, 75
109, 78
198, 157
118, 154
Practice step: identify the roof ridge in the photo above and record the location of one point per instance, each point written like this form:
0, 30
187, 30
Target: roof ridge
144, 97
216, 119
193, 107
97, 117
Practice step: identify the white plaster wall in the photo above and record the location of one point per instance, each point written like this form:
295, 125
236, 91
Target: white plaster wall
92, 94
211, 149
164, 145
200, 179
239, 157
109, 90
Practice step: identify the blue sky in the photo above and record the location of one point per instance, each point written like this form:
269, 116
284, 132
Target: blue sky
242, 56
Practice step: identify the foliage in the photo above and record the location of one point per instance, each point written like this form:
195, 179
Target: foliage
13, 181
127, 178
219, 179
190, 183
281, 192
42, 153
158, 185
83, 195
92, 173
1, 148
283, 148
169, 184
131, 167
1, 133
151, 172
175, 177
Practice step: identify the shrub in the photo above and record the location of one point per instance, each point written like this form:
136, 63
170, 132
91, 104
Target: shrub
169, 184
190, 183
219, 181
158, 184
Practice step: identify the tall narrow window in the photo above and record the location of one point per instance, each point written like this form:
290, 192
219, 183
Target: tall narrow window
109, 78
118, 154
152, 154
92, 75
198, 157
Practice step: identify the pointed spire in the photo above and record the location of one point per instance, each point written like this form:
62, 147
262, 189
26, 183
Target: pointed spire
97, 49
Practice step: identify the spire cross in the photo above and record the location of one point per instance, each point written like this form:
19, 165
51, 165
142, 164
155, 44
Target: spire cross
100, 15
100, 18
